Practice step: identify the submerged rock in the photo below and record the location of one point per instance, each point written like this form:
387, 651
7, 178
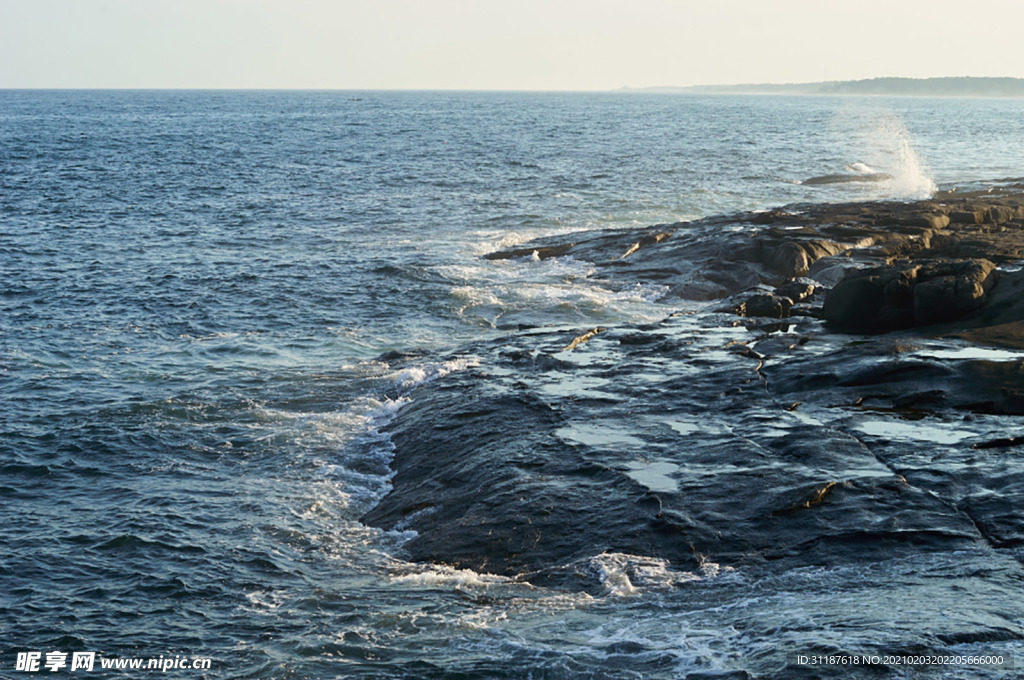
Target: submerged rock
848, 177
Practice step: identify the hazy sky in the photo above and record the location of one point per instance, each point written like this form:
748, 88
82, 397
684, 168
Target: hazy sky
491, 44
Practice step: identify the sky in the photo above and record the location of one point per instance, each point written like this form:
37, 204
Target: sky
498, 45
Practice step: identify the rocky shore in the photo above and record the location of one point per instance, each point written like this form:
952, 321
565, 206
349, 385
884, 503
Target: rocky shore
841, 385
930, 262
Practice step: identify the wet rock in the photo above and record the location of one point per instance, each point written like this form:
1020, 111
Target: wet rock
681, 449
949, 290
1001, 443
541, 252
848, 178
926, 220
648, 240
710, 259
999, 242
968, 216
768, 305
997, 515
882, 375
891, 297
796, 290
695, 440
488, 485
771, 216
874, 300
723, 675
790, 255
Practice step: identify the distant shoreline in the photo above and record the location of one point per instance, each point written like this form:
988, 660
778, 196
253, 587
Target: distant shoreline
967, 87
913, 87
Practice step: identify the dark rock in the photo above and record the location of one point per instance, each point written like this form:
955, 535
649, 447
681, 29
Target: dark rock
875, 300
949, 290
707, 259
401, 356
648, 240
997, 515
771, 216
848, 178
498, 472
683, 443
723, 675
772, 306
796, 290
872, 376
480, 492
926, 220
794, 258
968, 216
542, 252
905, 295
1001, 443
998, 214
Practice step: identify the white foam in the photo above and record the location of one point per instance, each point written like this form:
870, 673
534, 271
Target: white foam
264, 600
386, 409
475, 296
484, 241
622, 574
861, 168
321, 508
359, 417
495, 241
552, 299
592, 296
343, 455
443, 576
407, 378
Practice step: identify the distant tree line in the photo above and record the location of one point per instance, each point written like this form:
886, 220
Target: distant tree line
958, 87
921, 87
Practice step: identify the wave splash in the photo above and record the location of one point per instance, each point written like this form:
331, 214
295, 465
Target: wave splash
880, 138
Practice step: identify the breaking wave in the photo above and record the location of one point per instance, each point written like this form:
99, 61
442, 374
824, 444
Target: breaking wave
881, 139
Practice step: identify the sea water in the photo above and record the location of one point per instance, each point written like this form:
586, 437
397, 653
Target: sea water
202, 299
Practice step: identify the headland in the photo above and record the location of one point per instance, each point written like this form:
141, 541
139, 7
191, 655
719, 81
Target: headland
836, 387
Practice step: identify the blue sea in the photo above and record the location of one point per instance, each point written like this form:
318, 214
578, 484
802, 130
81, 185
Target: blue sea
201, 297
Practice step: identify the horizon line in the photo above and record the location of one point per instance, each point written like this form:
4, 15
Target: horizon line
620, 89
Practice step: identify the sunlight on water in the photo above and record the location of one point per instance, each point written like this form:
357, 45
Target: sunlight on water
924, 431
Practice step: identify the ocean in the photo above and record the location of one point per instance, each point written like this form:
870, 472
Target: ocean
213, 304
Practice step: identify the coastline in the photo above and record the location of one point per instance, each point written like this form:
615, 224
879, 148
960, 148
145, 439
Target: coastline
734, 434
206, 344
959, 87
